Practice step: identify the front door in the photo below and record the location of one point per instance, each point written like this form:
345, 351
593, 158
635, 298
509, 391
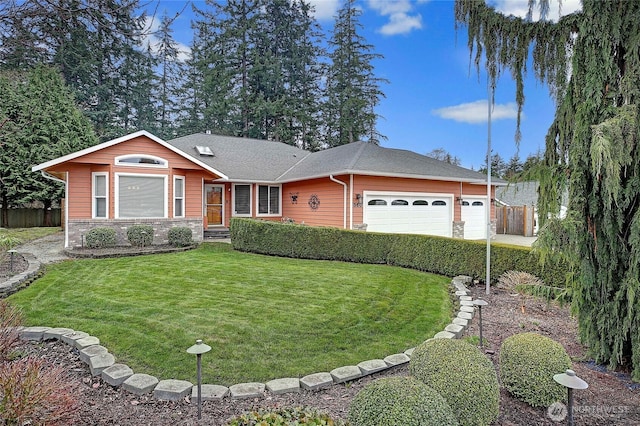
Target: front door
214, 204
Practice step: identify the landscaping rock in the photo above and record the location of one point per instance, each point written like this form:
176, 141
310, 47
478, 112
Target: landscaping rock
316, 381
346, 373
286, 385
461, 321
465, 315
466, 303
209, 392
87, 353
56, 333
457, 330
116, 374
99, 362
140, 384
397, 359
247, 390
172, 390
33, 333
467, 309
86, 342
408, 352
372, 366
70, 338
444, 335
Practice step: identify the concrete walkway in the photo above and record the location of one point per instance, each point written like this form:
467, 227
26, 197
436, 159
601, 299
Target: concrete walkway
47, 249
516, 240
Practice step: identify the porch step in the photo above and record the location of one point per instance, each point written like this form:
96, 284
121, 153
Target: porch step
216, 233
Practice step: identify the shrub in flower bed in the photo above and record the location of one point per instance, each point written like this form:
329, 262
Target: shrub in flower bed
101, 238
400, 401
10, 320
180, 236
528, 362
464, 377
284, 417
140, 235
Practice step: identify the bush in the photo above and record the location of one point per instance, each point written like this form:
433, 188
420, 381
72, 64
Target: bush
463, 376
180, 236
528, 362
10, 320
36, 393
7, 242
101, 238
284, 417
140, 235
400, 401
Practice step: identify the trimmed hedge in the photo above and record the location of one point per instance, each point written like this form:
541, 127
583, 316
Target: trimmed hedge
284, 417
464, 377
528, 362
443, 256
180, 236
101, 238
140, 235
400, 401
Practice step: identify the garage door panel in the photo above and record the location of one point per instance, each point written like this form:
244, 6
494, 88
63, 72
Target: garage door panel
474, 215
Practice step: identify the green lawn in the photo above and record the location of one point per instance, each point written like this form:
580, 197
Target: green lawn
28, 234
264, 317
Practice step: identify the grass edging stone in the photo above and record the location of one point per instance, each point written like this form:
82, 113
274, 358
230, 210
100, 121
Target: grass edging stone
140, 384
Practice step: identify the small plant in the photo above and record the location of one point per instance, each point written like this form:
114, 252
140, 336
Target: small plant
180, 236
34, 392
400, 401
519, 282
463, 376
284, 417
7, 242
10, 320
140, 235
528, 362
101, 238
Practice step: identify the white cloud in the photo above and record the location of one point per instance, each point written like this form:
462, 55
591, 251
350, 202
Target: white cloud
401, 20
520, 8
476, 112
325, 9
151, 27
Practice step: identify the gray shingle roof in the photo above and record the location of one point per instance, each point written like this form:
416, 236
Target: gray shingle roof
519, 194
255, 160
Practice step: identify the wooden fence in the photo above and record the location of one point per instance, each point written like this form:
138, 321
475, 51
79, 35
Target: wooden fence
515, 220
28, 218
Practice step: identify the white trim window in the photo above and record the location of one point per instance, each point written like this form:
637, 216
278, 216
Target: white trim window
100, 195
141, 160
178, 196
269, 200
141, 196
242, 200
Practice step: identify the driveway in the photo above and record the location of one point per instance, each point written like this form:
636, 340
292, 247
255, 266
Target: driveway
516, 240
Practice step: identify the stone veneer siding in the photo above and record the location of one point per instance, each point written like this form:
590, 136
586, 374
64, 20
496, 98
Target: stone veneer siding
77, 229
458, 229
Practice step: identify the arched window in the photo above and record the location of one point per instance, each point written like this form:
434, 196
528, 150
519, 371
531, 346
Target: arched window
477, 203
439, 203
377, 202
141, 160
465, 203
420, 203
399, 203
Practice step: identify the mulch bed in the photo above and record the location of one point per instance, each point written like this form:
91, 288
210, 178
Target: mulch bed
9, 269
611, 399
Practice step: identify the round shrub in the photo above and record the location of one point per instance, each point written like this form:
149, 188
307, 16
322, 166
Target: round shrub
180, 236
101, 238
464, 377
400, 401
140, 235
528, 362
284, 417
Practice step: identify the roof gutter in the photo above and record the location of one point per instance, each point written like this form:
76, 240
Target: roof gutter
344, 209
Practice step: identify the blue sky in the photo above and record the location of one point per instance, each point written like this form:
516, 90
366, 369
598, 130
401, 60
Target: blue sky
434, 99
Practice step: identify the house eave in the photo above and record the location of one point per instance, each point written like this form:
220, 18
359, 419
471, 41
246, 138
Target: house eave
394, 175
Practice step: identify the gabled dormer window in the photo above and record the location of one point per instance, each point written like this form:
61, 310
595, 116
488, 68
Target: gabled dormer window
141, 160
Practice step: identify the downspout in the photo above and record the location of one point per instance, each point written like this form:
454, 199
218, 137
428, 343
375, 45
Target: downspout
344, 220
66, 203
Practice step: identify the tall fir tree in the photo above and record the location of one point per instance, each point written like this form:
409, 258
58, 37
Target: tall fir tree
590, 61
353, 90
40, 121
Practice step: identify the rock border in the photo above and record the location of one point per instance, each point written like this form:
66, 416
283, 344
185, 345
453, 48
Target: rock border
16, 282
102, 363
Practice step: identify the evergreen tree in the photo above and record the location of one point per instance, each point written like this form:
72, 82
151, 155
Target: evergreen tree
40, 121
498, 166
443, 155
513, 168
590, 60
353, 91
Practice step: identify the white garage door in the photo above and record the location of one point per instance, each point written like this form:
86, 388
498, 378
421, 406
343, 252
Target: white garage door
474, 215
405, 213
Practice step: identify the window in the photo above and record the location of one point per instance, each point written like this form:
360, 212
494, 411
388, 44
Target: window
141, 196
399, 203
477, 203
420, 203
242, 200
141, 161
178, 196
100, 191
439, 203
268, 200
465, 203
377, 203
